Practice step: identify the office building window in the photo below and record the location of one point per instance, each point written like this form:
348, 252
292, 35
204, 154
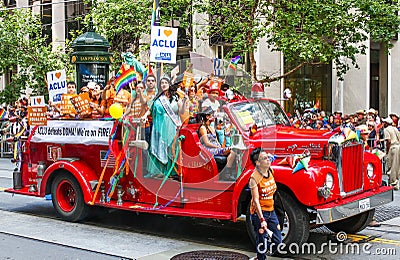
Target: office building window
310, 85
74, 10
45, 11
10, 3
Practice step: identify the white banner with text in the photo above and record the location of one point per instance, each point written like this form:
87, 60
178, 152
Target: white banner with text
74, 132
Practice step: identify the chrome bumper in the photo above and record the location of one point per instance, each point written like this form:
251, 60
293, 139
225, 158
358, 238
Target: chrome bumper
331, 214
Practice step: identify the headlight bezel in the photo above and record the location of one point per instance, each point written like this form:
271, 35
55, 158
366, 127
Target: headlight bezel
329, 180
370, 170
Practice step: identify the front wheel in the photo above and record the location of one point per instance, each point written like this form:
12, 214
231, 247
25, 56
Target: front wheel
68, 199
296, 226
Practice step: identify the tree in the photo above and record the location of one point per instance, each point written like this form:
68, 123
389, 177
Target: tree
307, 32
22, 46
125, 23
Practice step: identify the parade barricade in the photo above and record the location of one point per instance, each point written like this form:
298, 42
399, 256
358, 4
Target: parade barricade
6, 148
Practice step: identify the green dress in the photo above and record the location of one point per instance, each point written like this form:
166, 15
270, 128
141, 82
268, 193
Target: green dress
162, 137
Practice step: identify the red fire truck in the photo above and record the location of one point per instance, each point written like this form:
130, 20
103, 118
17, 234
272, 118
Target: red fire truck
71, 160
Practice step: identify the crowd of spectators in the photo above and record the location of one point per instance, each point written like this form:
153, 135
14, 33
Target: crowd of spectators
367, 122
13, 117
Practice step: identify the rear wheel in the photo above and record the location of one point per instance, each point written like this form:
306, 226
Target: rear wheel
68, 198
353, 224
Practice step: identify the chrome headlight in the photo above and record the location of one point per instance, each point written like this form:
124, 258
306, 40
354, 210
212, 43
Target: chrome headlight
370, 170
329, 180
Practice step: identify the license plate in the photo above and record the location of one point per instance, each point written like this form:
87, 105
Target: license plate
364, 204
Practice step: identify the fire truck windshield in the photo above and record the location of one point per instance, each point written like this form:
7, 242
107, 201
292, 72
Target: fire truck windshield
263, 113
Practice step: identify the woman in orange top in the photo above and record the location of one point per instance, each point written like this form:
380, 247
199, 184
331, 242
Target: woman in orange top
263, 216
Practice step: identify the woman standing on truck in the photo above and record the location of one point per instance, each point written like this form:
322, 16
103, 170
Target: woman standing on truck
165, 111
263, 216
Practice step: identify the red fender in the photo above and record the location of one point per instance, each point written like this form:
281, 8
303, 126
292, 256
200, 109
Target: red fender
82, 172
284, 175
241, 183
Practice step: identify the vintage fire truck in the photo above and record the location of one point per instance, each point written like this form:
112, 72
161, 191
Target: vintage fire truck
86, 163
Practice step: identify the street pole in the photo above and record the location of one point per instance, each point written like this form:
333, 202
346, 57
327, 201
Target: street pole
158, 65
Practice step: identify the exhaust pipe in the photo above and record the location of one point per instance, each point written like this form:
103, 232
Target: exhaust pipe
17, 179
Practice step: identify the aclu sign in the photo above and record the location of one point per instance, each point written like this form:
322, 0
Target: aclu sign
163, 44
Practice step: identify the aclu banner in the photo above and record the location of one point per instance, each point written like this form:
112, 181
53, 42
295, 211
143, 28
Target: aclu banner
86, 132
57, 84
164, 44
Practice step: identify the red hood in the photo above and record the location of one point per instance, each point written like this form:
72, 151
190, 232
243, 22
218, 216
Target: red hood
281, 140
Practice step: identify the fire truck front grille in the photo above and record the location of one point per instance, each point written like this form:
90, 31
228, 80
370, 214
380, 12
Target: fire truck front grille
352, 168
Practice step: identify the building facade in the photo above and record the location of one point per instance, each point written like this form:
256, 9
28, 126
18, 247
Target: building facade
375, 84
58, 19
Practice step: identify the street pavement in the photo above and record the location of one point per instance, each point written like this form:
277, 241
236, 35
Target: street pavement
82, 236
133, 245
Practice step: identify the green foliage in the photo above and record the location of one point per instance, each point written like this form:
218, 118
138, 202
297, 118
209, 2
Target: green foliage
23, 48
126, 24
307, 32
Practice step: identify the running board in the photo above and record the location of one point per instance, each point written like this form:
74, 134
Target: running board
170, 210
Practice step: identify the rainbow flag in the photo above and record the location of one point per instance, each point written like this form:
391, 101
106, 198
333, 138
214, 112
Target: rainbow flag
124, 78
3, 114
316, 106
233, 64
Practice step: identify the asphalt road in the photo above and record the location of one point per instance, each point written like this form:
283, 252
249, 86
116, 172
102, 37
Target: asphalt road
30, 229
32, 225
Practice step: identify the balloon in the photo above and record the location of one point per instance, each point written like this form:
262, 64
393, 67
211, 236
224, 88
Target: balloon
116, 111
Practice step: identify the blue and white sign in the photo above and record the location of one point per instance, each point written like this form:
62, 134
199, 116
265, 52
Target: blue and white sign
57, 84
164, 44
37, 101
